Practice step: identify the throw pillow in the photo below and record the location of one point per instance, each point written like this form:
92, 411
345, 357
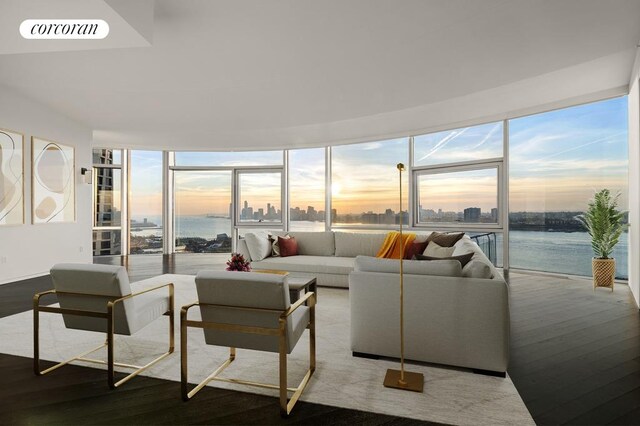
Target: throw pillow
258, 245
463, 258
288, 246
435, 250
415, 248
445, 239
275, 247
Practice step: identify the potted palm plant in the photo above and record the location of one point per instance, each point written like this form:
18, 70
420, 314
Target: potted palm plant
603, 222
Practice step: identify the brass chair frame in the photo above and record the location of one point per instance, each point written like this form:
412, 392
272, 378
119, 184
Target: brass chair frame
109, 343
286, 405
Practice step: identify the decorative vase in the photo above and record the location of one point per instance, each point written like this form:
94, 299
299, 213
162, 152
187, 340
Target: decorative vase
604, 272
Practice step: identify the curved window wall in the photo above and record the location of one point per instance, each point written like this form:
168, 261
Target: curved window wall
517, 183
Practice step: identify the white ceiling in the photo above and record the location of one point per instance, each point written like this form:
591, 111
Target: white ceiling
247, 74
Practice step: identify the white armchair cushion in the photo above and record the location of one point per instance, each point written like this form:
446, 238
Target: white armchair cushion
101, 280
96, 286
248, 290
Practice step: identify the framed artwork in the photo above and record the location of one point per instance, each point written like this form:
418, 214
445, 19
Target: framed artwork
11, 178
53, 186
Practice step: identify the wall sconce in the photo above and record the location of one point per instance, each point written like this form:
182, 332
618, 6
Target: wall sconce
86, 175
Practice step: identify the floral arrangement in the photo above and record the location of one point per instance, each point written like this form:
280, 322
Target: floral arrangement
238, 263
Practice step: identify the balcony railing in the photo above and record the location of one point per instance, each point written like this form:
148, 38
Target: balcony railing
487, 243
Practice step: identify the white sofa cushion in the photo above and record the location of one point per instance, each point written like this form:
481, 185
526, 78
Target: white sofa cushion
351, 244
477, 268
308, 264
435, 250
315, 243
258, 245
446, 268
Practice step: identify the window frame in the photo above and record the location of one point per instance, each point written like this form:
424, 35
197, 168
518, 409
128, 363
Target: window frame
124, 191
490, 164
237, 193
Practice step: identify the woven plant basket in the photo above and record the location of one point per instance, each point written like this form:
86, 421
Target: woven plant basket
604, 272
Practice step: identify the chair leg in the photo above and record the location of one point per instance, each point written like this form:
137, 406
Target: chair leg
110, 343
186, 394
36, 347
284, 410
312, 338
171, 320
36, 339
139, 369
184, 367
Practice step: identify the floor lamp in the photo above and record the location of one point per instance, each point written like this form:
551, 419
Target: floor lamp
400, 379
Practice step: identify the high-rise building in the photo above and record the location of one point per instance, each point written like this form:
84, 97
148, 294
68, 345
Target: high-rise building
472, 214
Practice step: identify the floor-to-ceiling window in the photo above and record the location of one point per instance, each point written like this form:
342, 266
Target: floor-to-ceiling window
107, 201
145, 202
217, 195
557, 161
307, 194
458, 177
202, 205
365, 183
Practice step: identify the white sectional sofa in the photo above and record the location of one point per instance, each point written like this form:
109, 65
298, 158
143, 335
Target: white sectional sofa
328, 256
453, 315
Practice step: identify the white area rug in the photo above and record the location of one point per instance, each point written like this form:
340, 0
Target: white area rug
451, 395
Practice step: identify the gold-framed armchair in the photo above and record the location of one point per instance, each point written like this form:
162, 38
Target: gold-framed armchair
99, 298
251, 311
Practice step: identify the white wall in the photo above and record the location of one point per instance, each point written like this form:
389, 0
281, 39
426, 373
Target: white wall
634, 188
29, 250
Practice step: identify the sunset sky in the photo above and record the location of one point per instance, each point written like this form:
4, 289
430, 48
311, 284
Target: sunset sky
557, 160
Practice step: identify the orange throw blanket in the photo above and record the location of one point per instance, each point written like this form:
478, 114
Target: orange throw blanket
390, 248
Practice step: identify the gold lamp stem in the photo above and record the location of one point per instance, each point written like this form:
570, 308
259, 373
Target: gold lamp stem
399, 379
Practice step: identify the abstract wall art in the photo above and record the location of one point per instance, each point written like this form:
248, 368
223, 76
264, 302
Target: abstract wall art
11, 178
53, 183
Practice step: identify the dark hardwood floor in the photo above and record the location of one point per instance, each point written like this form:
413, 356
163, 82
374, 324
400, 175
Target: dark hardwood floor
575, 359
575, 353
